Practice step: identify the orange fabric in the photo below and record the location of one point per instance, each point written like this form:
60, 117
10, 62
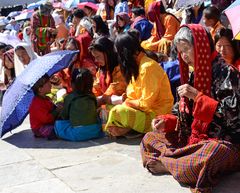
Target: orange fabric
62, 31
20, 35
117, 86
65, 77
171, 26
152, 42
215, 29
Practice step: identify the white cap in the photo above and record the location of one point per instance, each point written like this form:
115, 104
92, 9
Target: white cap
86, 23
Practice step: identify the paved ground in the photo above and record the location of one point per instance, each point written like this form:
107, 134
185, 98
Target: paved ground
30, 165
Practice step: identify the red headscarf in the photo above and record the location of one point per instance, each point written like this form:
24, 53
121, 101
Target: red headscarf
84, 42
154, 16
202, 63
202, 77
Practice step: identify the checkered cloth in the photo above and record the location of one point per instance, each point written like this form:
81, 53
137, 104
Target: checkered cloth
197, 165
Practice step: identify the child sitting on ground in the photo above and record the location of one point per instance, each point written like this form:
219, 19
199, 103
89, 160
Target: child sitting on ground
43, 112
80, 119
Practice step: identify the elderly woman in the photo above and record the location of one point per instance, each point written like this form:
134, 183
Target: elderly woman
148, 92
227, 47
202, 141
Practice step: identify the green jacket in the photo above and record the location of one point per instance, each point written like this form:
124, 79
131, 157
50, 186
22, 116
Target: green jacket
80, 109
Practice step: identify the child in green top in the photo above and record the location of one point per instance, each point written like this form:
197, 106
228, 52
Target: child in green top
80, 119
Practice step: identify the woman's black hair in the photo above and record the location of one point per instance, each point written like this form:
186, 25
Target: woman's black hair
2, 45
162, 9
8, 47
128, 45
82, 80
19, 48
212, 12
105, 45
190, 13
79, 13
73, 41
101, 26
5, 47
108, 8
138, 11
227, 33
40, 83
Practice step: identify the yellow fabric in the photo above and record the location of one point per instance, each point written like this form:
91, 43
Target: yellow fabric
117, 87
237, 37
164, 46
152, 88
151, 92
171, 25
152, 42
147, 3
127, 117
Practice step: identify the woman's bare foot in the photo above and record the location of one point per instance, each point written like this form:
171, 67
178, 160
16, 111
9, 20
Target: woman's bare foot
156, 167
117, 131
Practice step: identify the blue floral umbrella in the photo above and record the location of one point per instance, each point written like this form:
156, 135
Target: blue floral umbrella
18, 97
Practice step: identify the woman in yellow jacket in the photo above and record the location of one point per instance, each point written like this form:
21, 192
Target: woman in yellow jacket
148, 92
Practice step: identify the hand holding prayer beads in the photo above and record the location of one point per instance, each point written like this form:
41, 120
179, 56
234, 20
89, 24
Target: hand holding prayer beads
187, 91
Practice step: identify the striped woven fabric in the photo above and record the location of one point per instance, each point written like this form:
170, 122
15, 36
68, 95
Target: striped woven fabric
127, 117
197, 165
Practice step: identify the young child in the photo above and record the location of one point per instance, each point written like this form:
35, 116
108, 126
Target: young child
80, 119
43, 112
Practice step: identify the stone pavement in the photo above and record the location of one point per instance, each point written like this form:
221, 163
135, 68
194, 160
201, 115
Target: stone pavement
32, 165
